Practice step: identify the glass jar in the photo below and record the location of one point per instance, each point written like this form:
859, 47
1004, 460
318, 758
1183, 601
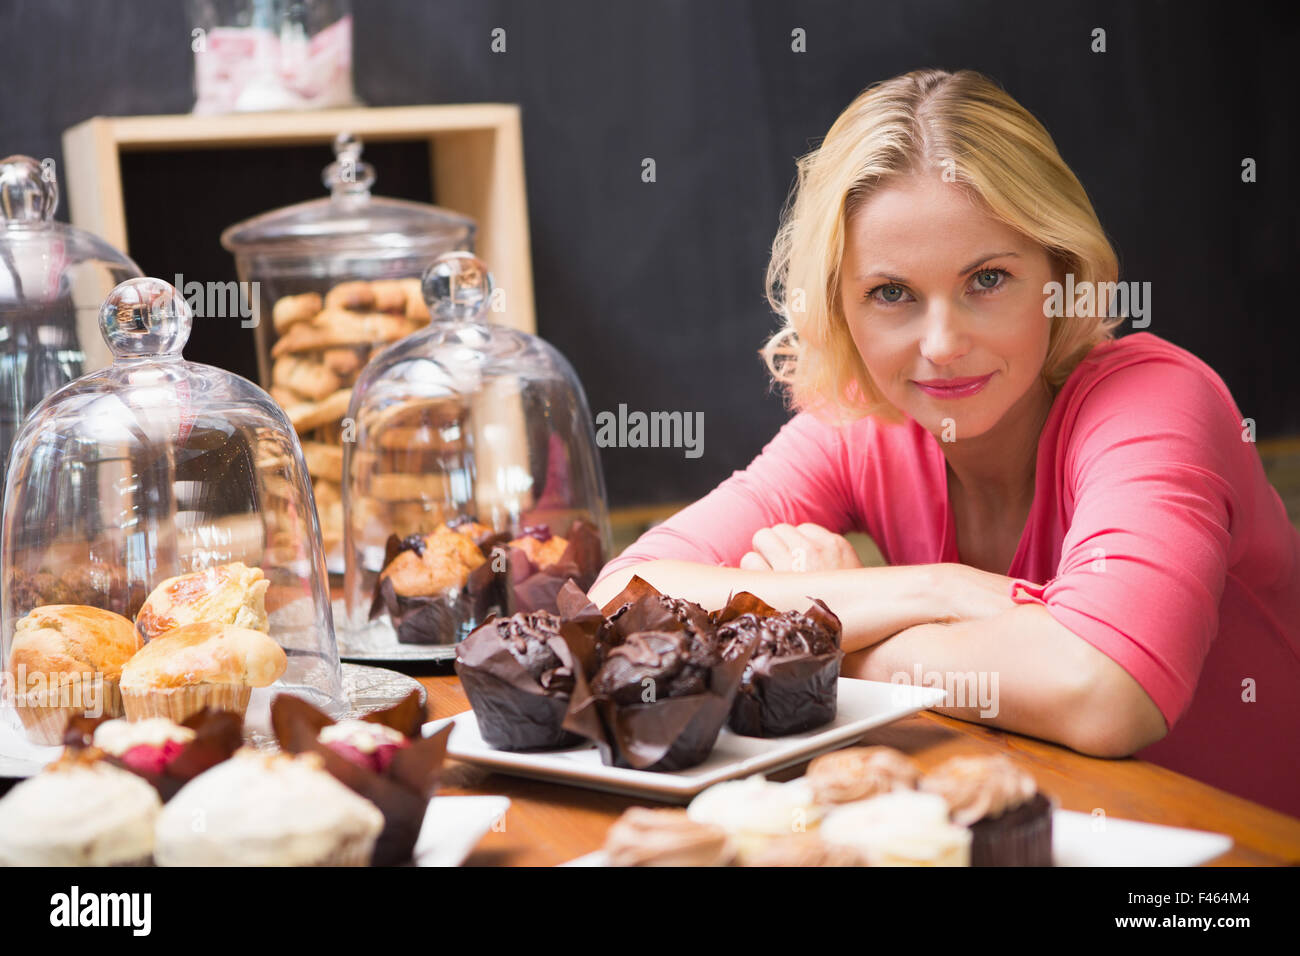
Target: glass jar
473, 481
339, 278
53, 278
157, 467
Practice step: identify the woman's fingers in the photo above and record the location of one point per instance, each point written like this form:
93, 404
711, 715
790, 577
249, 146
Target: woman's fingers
808, 547
752, 561
772, 547
835, 549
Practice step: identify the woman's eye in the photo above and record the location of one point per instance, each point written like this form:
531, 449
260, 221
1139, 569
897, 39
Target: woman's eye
888, 294
986, 280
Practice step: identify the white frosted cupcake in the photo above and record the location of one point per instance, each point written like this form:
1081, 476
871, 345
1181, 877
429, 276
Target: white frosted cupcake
901, 828
755, 811
79, 811
259, 809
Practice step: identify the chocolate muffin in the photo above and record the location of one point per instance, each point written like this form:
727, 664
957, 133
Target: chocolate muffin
792, 679
518, 673
655, 690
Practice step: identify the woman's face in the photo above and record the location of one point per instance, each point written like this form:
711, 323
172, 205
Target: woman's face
945, 305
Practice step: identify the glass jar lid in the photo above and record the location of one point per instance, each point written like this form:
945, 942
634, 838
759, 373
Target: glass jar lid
350, 219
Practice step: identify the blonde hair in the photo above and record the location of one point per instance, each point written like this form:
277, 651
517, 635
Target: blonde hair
912, 123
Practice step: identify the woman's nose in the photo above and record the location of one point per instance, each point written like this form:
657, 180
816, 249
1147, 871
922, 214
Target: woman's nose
944, 340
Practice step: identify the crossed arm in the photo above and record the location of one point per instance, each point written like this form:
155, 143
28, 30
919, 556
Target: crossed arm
945, 618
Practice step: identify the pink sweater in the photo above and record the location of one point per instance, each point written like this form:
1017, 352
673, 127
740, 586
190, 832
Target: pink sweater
1154, 536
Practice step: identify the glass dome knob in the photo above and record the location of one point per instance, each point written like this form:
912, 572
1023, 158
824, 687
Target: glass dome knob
457, 287
29, 191
145, 317
348, 175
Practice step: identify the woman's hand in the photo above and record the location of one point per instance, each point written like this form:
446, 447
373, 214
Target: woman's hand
807, 547
970, 594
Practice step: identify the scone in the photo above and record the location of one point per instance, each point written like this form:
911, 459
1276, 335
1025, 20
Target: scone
79, 811
267, 810
196, 666
66, 660
226, 594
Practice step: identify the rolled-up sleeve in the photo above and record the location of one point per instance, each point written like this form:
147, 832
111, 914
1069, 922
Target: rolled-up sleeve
1145, 558
798, 477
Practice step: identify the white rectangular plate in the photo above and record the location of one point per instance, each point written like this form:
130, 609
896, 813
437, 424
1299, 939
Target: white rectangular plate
862, 706
453, 826
1079, 839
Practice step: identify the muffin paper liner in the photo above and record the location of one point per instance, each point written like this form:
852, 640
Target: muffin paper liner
525, 587
784, 695
45, 724
513, 710
440, 618
668, 734
402, 792
1020, 837
178, 703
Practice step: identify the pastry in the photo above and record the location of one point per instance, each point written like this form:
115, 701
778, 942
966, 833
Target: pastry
539, 562
792, 681
355, 295
294, 308
66, 660
1010, 821
755, 811
654, 691
518, 673
806, 849
324, 462
364, 742
79, 811
344, 362
381, 757
199, 665
305, 416
267, 810
311, 379
226, 594
147, 745
900, 828
436, 587
335, 327
857, 773
643, 837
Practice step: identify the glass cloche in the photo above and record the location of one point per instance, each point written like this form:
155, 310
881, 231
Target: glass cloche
473, 480
53, 278
337, 279
175, 496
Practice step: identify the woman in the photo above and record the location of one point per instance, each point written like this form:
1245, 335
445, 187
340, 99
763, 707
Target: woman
1080, 518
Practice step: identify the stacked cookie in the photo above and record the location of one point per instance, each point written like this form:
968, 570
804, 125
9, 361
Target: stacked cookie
322, 346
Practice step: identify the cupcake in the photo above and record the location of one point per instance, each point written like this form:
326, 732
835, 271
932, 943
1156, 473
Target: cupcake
66, 660
382, 757
196, 666
147, 745
364, 742
226, 594
754, 812
267, 810
434, 587
900, 828
518, 673
792, 679
1010, 821
643, 837
807, 849
857, 773
165, 754
79, 811
537, 563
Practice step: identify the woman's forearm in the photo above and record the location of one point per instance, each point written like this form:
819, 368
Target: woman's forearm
1021, 671
871, 603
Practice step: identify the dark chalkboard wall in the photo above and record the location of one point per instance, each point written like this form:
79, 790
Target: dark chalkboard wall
654, 290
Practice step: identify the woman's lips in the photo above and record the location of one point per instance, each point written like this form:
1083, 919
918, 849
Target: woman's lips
953, 387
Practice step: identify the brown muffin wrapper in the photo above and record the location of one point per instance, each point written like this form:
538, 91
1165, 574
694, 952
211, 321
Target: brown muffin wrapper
47, 724
513, 711
178, 703
525, 587
671, 733
1019, 837
784, 695
401, 793
441, 618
